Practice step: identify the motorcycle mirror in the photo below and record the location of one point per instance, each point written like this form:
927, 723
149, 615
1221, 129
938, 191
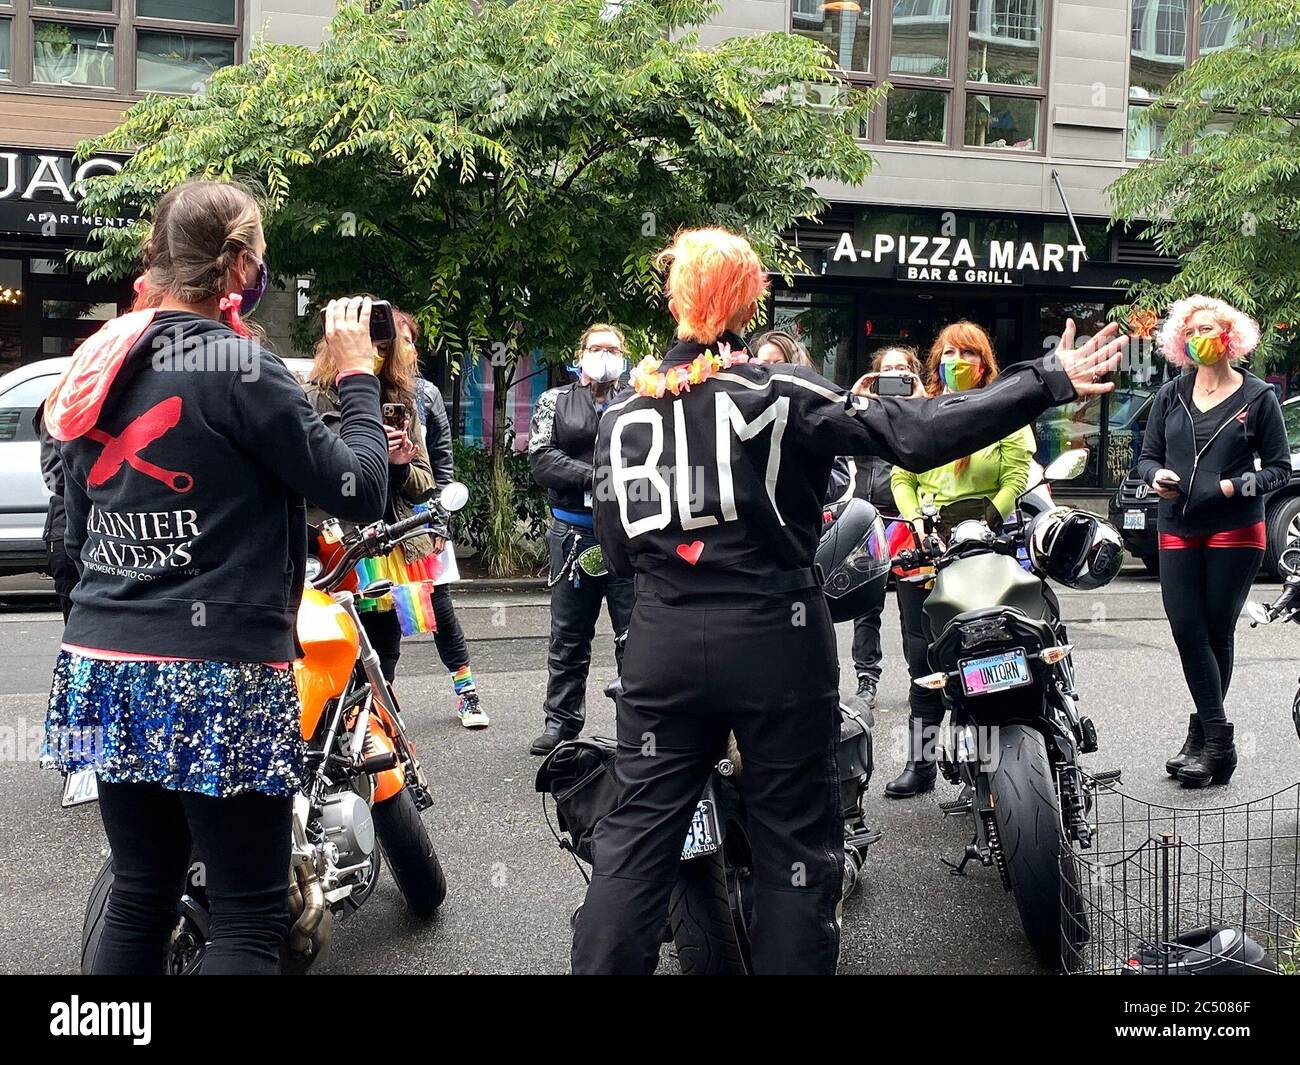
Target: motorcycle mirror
1067, 465
1258, 613
453, 496
592, 562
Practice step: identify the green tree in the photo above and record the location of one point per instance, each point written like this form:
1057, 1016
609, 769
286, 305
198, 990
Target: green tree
1222, 193
504, 170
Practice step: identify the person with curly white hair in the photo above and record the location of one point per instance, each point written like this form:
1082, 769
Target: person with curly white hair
1215, 446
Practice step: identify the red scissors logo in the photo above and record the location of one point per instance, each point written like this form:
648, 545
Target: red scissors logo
154, 423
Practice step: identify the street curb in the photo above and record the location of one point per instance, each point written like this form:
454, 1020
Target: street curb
502, 584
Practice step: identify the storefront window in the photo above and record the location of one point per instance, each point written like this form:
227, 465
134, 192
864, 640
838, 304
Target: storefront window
823, 322
916, 115
1001, 122
1005, 42
11, 308
843, 26
919, 38
69, 54
178, 62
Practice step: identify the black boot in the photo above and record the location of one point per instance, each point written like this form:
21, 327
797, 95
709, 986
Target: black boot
1191, 746
1217, 760
919, 773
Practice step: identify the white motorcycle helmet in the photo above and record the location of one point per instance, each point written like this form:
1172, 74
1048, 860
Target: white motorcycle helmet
1075, 548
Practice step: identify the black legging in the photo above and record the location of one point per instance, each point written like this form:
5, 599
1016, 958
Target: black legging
385, 633
244, 843
1204, 589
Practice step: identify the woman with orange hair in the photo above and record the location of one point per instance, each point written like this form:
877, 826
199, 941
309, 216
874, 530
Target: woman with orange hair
961, 360
1206, 429
708, 489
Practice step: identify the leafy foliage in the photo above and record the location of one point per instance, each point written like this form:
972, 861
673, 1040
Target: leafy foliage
504, 169
1224, 189
477, 526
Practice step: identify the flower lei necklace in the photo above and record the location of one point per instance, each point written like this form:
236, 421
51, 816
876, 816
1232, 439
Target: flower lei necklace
648, 381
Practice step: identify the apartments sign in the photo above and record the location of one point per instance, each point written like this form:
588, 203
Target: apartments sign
41, 190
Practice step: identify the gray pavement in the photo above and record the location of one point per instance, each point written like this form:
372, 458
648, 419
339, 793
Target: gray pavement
511, 891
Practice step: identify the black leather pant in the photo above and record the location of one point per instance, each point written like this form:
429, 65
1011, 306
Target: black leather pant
575, 606
691, 674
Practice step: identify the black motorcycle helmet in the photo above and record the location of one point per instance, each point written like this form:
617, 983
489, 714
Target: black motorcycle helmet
853, 558
1210, 951
1075, 548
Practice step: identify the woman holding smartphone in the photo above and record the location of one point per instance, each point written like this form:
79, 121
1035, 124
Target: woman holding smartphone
1207, 430
961, 359
894, 371
410, 481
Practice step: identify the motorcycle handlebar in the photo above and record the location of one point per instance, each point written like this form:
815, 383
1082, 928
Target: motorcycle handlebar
374, 540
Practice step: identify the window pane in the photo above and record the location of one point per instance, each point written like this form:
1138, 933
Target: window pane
1001, 122
72, 55
76, 5
178, 62
1096, 237
843, 26
1005, 42
5, 37
218, 12
1158, 45
916, 115
1076, 424
1145, 133
919, 38
1220, 28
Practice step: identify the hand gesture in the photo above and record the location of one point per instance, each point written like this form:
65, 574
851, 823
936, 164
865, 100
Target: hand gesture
1087, 365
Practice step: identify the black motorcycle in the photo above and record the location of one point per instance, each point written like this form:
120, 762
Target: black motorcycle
1286, 607
1015, 734
710, 909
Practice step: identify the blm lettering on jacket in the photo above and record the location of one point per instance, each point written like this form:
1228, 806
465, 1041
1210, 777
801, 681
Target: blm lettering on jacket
140, 544
639, 476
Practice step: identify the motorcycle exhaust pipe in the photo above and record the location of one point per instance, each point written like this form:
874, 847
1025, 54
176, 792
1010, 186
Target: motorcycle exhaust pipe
303, 933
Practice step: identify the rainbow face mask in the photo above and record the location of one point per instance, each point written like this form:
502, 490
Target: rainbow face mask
1206, 351
959, 374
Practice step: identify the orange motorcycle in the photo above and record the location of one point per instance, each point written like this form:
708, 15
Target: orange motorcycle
363, 783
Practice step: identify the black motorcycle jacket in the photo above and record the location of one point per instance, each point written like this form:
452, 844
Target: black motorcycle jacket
561, 441
719, 490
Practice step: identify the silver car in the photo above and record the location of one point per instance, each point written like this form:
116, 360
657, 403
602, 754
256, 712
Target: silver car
23, 495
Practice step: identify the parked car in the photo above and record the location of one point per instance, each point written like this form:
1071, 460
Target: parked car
23, 495
1133, 507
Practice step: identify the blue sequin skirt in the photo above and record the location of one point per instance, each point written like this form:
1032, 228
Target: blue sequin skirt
216, 728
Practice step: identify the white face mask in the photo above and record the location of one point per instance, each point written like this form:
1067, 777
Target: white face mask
601, 368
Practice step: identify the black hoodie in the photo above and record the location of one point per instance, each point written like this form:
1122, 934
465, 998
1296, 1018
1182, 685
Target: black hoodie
185, 501
1249, 426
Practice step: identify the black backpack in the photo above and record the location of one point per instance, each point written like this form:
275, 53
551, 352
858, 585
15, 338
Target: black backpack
579, 776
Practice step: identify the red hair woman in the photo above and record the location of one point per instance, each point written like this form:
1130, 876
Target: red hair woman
1208, 430
961, 360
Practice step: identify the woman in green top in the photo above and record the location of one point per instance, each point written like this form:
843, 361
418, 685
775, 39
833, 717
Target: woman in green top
961, 358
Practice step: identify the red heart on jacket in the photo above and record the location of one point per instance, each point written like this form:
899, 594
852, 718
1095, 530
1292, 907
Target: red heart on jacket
691, 552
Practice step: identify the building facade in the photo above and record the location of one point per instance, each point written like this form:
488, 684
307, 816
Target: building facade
1006, 122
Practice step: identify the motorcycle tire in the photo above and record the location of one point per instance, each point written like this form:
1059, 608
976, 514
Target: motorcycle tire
92, 929
410, 854
700, 917
1028, 815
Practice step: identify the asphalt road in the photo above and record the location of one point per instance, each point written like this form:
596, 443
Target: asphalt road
512, 891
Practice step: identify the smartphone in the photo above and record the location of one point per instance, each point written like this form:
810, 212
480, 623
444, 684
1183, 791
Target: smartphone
894, 384
396, 415
383, 326
1165, 482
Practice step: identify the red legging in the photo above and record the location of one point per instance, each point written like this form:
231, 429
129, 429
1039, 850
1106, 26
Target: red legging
1204, 581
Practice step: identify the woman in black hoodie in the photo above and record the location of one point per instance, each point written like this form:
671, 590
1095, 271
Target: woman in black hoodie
187, 453
1208, 430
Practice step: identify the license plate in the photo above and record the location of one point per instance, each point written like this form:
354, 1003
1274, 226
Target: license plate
702, 837
81, 786
1135, 519
995, 673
